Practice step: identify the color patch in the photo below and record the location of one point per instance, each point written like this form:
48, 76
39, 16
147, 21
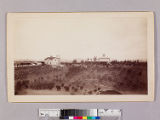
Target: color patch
71, 117
66, 117
84, 117
93, 117
75, 117
88, 117
97, 117
80, 117
61, 117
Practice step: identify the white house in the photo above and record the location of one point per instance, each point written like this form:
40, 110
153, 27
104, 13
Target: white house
54, 61
103, 59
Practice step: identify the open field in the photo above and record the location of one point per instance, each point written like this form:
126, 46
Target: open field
117, 78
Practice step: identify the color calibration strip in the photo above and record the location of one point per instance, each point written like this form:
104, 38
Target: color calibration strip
79, 117
79, 114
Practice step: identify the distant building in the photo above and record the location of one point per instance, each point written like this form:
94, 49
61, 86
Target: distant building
103, 59
54, 61
26, 63
89, 60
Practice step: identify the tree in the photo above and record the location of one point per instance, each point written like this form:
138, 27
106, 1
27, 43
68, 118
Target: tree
74, 61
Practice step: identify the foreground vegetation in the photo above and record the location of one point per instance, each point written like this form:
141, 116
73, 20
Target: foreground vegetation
118, 78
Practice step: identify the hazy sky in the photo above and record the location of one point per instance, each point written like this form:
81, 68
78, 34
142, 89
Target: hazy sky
37, 36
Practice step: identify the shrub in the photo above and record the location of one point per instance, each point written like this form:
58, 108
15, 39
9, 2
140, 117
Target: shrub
90, 92
81, 87
58, 88
62, 85
19, 85
66, 88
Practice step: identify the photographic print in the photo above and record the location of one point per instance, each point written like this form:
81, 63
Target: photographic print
80, 57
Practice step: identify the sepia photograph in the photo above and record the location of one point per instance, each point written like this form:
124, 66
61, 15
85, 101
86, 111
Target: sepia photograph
80, 57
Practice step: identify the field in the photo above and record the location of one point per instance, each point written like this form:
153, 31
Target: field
118, 78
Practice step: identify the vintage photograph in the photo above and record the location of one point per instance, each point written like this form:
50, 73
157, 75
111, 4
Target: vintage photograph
80, 53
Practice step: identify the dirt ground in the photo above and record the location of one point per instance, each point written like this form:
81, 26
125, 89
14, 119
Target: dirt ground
118, 78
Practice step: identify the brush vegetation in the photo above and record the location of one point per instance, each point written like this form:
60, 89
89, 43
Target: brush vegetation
126, 77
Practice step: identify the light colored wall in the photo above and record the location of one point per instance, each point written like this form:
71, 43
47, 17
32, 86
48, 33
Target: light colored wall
52, 62
29, 111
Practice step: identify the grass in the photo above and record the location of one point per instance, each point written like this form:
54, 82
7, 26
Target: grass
119, 78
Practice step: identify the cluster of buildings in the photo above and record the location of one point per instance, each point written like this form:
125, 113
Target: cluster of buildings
56, 61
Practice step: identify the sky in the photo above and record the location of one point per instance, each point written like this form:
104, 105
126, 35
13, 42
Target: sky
79, 36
